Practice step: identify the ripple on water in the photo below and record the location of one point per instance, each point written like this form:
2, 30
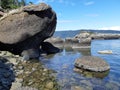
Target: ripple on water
63, 63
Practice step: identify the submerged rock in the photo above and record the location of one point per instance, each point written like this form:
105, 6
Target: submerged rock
26, 28
92, 63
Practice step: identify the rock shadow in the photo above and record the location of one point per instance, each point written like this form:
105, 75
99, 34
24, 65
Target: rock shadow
7, 75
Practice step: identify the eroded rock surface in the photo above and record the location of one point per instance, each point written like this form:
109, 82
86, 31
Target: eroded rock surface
26, 28
92, 63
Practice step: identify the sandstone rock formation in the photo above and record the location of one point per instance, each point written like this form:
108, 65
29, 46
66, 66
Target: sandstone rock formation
26, 28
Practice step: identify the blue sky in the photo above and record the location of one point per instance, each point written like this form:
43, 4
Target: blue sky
85, 14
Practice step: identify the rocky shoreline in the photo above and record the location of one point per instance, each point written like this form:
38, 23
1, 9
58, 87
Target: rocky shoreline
32, 25
16, 74
80, 41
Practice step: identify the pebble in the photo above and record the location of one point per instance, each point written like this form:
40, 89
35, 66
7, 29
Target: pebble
19, 72
86, 82
49, 85
19, 80
15, 86
13, 60
20, 67
77, 88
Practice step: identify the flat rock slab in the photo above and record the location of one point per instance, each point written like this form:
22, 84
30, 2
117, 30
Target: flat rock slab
92, 63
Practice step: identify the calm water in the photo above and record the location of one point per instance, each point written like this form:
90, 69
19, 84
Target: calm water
63, 64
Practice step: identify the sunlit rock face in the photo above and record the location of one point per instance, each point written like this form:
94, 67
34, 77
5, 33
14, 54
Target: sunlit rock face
27, 27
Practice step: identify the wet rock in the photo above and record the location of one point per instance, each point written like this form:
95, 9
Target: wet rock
49, 85
92, 63
112, 86
81, 88
75, 88
105, 52
77, 43
49, 48
6, 75
86, 82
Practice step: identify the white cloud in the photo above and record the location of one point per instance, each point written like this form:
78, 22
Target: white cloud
111, 28
89, 3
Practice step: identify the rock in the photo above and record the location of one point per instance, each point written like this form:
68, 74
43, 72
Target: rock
49, 85
92, 63
77, 43
15, 86
83, 34
24, 88
112, 86
1, 11
105, 52
26, 28
81, 88
19, 80
86, 82
56, 41
105, 36
70, 41
77, 88
30, 53
6, 75
49, 48
13, 61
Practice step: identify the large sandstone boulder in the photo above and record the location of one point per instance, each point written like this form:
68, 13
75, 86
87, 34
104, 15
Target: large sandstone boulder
27, 27
92, 63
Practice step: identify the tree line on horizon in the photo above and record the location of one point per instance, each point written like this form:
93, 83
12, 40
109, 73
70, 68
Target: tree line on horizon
12, 4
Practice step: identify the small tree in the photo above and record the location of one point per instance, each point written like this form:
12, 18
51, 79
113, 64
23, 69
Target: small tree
12, 4
23, 3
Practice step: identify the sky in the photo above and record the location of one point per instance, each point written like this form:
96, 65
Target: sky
85, 14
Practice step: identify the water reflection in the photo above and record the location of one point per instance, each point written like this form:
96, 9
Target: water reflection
68, 79
90, 74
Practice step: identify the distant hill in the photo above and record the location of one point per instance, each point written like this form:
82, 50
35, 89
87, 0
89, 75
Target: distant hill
72, 33
64, 34
104, 31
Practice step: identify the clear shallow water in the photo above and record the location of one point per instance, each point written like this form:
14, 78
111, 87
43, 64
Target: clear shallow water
63, 64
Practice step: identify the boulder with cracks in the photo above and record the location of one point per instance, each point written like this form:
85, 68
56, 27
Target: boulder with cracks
24, 29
